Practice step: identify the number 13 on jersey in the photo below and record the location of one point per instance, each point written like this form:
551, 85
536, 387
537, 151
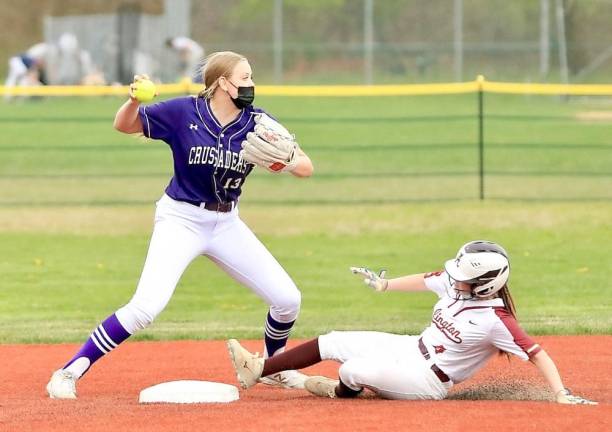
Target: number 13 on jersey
233, 183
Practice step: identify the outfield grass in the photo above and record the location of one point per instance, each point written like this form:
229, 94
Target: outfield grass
394, 149
395, 186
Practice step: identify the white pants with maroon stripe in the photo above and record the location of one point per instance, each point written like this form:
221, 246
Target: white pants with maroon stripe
390, 365
183, 232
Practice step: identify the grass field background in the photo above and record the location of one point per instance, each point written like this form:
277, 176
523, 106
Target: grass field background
395, 186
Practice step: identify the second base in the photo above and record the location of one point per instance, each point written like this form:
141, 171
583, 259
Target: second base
189, 392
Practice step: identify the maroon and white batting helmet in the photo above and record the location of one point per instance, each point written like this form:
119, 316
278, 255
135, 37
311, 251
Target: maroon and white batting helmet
482, 264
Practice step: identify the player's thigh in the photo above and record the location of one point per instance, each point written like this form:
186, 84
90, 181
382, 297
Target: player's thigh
16, 70
16, 66
173, 246
393, 378
244, 257
345, 345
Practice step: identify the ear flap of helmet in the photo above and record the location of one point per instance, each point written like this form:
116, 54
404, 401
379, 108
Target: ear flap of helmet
493, 281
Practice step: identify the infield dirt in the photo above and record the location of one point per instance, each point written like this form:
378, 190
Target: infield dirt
108, 394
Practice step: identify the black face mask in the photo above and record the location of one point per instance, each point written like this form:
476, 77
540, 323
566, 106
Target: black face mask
246, 95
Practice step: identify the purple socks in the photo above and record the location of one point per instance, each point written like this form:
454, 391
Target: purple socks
103, 340
276, 334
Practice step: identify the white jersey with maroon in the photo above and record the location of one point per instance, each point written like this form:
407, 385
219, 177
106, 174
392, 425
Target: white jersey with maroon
465, 333
462, 336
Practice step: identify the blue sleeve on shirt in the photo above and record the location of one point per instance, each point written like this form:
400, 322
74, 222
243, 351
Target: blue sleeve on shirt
160, 120
258, 110
27, 61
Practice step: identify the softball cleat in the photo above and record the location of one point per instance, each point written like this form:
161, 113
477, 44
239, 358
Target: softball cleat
289, 379
248, 366
62, 385
322, 386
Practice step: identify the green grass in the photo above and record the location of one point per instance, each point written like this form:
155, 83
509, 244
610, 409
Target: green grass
393, 149
395, 186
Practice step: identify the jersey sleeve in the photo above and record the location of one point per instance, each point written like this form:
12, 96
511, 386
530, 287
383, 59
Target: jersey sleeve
257, 110
509, 337
437, 282
160, 120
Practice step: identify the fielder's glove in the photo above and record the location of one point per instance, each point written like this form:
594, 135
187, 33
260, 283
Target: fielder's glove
565, 396
375, 281
270, 146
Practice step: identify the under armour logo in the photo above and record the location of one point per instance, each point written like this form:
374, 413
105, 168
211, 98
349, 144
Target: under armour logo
193, 126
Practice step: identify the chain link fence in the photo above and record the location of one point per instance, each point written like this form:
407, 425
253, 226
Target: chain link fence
337, 41
386, 41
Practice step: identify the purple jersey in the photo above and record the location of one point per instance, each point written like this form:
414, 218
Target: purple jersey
207, 162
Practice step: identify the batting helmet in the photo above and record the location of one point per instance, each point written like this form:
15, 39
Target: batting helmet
482, 264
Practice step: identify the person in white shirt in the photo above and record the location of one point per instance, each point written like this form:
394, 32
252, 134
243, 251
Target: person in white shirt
28, 68
190, 55
72, 64
473, 320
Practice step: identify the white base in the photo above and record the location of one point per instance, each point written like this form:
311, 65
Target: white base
189, 392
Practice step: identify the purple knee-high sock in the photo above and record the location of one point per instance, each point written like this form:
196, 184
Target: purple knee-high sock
103, 340
276, 334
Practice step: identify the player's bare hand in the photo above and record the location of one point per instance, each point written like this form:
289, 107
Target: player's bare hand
565, 396
375, 281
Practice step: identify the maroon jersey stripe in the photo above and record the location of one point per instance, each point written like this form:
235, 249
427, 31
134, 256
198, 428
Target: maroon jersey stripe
521, 339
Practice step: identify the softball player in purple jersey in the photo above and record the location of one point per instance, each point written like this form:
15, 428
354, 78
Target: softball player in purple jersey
198, 215
473, 320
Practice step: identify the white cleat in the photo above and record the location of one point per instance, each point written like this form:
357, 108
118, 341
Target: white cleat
62, 385
248, 366
322, 386
289, 379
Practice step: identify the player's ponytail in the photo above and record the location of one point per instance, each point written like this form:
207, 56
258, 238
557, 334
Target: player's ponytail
505, 295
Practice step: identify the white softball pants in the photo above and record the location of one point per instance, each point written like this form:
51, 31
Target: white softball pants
390, 365
182, 232
17, 70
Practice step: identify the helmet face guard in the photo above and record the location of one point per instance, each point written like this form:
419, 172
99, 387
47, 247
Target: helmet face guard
481, 264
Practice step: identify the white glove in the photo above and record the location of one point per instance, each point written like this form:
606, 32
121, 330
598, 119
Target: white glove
565, 396
375, 281
270, 146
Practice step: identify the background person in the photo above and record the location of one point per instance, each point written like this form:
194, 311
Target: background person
28, 68
198, 214
190, 54
473, 320
71, 63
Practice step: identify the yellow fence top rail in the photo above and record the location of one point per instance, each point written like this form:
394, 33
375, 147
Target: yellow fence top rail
368, 90
547, 89
480, 84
